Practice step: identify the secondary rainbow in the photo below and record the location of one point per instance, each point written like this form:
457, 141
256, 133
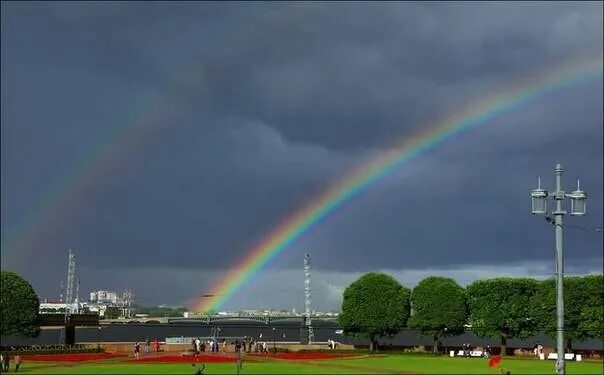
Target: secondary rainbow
30, 234
361, 178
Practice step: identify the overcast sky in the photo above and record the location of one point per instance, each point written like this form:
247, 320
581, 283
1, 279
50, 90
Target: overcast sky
161, 141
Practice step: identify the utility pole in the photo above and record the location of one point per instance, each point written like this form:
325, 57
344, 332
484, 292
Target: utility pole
539, 206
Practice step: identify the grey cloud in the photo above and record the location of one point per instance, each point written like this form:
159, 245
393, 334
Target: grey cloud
280, 288
242, 113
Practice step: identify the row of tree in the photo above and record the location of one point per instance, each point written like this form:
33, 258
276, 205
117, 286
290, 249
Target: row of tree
161, 312
376, 305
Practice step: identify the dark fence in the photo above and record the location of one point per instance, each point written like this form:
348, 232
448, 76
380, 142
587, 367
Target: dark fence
48, 320
283, 331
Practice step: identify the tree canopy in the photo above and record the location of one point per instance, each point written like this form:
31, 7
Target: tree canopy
501, 307
373, 306
160, 312
19, 305
583, 307
438, 308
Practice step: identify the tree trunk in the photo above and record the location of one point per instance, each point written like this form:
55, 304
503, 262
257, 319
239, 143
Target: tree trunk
435, 346
569, 345
372, 344
504, 342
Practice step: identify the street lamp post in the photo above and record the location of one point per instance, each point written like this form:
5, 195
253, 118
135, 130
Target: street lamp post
539, 206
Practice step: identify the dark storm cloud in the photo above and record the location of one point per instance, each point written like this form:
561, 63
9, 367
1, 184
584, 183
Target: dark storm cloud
261, 106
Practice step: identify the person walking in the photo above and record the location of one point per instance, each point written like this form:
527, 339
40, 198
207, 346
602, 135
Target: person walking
137, 350
6, 362
17, 362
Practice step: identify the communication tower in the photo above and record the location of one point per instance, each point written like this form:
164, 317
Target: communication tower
67, 335
127, 303
307, 299
71, 282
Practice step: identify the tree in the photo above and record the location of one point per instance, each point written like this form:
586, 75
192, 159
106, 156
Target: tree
161, 312
373, 306
591, 319
583, 308
438, 308
112, 312
501, 308
19, 305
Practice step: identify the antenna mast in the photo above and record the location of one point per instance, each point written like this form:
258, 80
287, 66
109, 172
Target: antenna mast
72, 289
76, 301
71, 282
307, 299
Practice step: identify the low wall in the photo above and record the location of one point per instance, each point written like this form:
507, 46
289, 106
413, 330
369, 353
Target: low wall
128, 347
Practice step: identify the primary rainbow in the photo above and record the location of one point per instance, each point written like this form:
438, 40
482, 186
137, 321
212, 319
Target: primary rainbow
409, 148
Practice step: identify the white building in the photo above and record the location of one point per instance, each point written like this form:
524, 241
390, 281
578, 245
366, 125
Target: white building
104, 296
58, 307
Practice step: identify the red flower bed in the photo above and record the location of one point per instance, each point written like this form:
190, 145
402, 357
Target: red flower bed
306, 356
76, 357
186, 359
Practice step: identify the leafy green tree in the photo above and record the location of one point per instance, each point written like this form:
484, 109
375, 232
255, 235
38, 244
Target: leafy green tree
161, 312
112, 312
19, 305
583, 308
592, 321
501, 308
438, 308
375, 305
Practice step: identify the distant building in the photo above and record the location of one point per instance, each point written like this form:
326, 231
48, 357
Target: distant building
104, 296
102, 299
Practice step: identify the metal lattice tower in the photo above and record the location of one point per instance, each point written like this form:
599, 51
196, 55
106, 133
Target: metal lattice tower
307, 299
70, 295
128, 303
76, 301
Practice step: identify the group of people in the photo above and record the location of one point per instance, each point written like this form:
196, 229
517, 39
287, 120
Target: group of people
213, 344
246, 345
147, 347
468, 348
537, 349
5, 362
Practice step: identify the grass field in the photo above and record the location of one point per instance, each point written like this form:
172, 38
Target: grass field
375, 364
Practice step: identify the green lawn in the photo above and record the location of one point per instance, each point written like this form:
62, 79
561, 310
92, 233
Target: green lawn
387, 364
